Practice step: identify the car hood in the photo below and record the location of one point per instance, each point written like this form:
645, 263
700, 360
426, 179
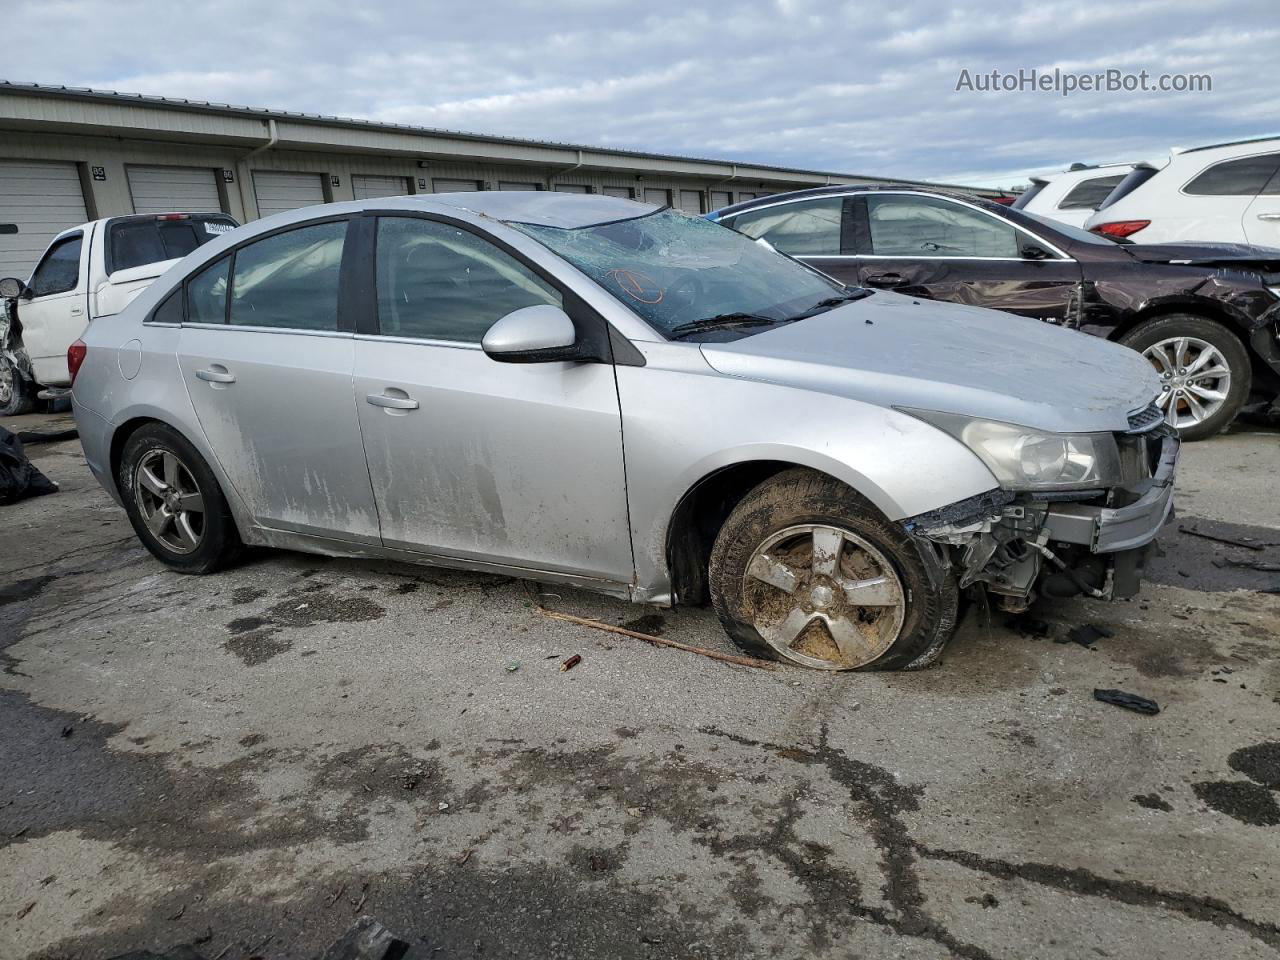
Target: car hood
894, 351
1205, 253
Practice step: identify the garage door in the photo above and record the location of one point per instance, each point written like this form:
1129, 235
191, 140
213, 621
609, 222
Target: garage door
366, 188
691, 201
173, 190
43, 199
454, 186
277, 192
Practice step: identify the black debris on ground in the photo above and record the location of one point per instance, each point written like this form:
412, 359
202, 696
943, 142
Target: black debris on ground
1130, 701
19, 478
1086, 635
1028, 626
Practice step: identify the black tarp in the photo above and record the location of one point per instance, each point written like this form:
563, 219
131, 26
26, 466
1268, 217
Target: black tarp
19, 479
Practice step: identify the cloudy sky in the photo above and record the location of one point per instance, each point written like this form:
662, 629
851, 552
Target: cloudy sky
849, 88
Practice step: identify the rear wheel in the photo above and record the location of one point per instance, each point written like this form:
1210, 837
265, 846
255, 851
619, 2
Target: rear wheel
805, 571
174, 502
1203, 367
17, 394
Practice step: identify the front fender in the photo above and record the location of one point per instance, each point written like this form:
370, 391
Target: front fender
680, 426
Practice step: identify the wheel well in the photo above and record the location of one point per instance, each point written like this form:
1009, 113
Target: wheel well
1206, 311
121, 437
698, 518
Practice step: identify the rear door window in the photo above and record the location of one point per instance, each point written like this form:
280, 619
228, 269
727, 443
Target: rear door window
290, 279
59, 271
132, 243
1244, 177
207, 294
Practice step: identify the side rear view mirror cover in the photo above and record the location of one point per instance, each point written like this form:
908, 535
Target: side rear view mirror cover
11, 288
537, 334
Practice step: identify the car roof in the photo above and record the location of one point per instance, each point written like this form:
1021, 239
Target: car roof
545, 208
853, 188
1231, 143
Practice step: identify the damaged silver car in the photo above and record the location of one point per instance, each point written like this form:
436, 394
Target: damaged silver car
591, 391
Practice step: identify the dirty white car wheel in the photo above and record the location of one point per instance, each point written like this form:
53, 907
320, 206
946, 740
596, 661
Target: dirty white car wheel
806, 571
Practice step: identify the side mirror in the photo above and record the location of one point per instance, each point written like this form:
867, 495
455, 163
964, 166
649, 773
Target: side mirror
11, 288
1031, 251
538, 334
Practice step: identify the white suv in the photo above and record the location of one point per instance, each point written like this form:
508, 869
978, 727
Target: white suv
1226, 193
1072, 197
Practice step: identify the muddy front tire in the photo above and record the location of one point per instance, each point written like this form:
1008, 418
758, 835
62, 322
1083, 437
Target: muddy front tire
174, 502
806, 571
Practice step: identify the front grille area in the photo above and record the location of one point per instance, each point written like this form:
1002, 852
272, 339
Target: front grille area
1148, 418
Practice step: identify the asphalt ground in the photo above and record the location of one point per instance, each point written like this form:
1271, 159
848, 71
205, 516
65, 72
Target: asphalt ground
245, 762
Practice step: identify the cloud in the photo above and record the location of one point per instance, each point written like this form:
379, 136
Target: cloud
839, 87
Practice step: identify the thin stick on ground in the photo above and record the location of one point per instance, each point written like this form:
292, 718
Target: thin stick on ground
650, 638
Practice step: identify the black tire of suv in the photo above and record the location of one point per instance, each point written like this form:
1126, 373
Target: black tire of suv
220, 544
1227, 343
21, 396
801, 496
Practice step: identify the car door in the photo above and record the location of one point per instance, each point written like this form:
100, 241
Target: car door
944, 249
816, 230
268, 367
1262, 218
54, 315
513, 464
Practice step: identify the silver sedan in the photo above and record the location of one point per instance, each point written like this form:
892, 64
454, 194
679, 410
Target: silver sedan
596, 392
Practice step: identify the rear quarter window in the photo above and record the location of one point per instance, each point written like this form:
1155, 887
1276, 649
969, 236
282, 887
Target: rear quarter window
1245, 177
1088, 194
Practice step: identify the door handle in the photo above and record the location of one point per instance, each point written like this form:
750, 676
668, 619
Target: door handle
216, 374
393, 403
1269, 216
886, 280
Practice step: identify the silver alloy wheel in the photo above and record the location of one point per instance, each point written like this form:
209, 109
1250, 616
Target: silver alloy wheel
1194, 379
824, 597
169, 501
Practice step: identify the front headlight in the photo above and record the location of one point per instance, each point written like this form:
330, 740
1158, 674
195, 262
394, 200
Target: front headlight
1025, 459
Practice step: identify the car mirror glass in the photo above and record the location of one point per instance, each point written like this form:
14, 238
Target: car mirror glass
11, 288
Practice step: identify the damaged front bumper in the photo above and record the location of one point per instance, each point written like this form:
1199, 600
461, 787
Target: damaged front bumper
1061, 544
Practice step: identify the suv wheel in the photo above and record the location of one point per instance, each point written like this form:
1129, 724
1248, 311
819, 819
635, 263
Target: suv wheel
16, 394
174, 502
1204, 371
806, 571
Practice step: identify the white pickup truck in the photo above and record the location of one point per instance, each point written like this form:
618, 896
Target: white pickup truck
93, 270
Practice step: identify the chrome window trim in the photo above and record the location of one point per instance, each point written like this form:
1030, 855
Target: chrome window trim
296, 331
885, 256
420, 341
1059, 253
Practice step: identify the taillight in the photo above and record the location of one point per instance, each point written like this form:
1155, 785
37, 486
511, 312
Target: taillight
173, 216
75, 357
1120, 228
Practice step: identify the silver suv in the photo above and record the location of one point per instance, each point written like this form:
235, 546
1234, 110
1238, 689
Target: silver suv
602, 393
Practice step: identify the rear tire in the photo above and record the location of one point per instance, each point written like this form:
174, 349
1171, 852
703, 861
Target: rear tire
806, 571
1208, 346
174, 502
17, 393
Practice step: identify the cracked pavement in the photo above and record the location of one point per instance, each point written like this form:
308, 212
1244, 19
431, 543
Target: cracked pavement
245, 762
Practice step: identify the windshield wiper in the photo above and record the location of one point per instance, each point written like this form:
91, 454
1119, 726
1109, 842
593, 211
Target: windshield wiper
857, 293
722, 321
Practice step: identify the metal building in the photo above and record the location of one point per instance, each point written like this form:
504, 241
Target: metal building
69, 155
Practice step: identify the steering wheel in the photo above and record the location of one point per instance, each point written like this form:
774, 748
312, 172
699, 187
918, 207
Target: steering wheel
684, 293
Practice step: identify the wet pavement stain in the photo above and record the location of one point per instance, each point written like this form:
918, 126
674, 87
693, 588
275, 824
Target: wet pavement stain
256, 639
1247, 802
